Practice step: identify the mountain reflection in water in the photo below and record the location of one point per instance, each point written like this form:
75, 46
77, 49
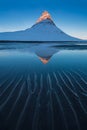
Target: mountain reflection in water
43, 87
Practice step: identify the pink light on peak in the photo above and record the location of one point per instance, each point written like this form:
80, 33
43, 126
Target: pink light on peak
45, 15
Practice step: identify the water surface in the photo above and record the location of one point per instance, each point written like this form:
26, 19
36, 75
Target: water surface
43, 86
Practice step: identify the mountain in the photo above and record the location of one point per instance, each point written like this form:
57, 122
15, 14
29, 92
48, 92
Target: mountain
43, 30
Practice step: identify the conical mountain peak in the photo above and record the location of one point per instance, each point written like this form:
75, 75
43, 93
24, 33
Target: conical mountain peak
44, 30
45, 15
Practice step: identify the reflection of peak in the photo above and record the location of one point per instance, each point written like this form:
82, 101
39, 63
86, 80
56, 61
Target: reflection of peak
45, 15
44, 60
45, 53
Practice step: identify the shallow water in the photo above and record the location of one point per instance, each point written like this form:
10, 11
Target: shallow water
43, 86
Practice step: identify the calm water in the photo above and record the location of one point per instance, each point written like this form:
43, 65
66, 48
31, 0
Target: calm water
43, 86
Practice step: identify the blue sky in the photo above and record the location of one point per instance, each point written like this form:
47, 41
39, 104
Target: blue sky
69, 15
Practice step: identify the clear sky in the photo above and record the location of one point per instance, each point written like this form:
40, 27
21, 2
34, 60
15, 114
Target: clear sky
69, 15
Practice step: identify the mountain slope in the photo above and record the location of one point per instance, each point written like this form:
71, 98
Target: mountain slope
44, 30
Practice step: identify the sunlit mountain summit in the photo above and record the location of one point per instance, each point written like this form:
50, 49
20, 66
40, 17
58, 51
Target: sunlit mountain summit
43, 30
45, 15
